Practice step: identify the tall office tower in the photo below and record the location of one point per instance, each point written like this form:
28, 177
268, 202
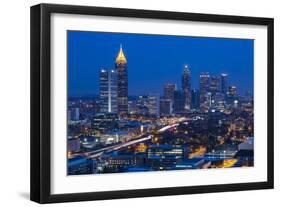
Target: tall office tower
214, 85
203, 87
209, 99
165, 107
132, 106
153, 104
122, 82
108, 91
232, 91
142, 105
179, 101
224, 83
186, 86
195, 99
169, 90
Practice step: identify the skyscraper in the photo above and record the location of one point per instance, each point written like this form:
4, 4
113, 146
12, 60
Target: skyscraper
186, 86
132, 106
203, 87
179, 101
194, 99
214, 84
108, 91
73, 114
209, 99
122, 82
169, 90
165, 107
142, 105
153, 104
224, 83
232, 91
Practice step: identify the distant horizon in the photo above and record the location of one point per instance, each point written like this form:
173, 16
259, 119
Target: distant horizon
160, 58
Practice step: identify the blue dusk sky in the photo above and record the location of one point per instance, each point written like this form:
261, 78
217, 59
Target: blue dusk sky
154, 60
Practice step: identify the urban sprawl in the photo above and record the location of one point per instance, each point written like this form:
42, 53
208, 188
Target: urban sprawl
183, 128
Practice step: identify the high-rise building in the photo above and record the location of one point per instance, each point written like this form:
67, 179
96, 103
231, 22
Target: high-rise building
195, 99
232, 91
214, 84
142, 105
186, 86
186, 79
153, 104
224, 83
122, 82
73, 114
104, 122
179, 101
169, 90
209, 99
165, 107
108, 91
204, 87
132, 106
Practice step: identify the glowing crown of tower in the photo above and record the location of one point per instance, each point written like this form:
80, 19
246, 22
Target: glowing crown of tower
121, 59
186, 68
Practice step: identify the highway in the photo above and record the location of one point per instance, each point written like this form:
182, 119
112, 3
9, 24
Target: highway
99, 152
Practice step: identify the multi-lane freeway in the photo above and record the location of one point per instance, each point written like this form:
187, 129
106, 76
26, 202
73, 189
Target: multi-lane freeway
99, 152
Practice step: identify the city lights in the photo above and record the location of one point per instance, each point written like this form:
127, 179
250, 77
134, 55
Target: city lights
183, 127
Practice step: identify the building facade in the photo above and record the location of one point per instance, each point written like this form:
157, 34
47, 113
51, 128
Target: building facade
224, 83
153, 104
179, 102
122, 82
195, 99
204, 83
214, 84
169, 90
165, 107
186, 87
108, 91
232, 91
73, 114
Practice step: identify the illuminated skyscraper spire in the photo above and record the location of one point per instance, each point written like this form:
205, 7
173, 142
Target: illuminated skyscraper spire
121, 59
186, 79
186, 86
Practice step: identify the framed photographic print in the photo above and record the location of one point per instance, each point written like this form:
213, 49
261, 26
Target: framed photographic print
133, 103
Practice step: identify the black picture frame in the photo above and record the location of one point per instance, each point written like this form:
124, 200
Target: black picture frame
41, 98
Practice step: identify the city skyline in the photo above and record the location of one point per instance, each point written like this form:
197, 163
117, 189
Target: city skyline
82, 61
167, 125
